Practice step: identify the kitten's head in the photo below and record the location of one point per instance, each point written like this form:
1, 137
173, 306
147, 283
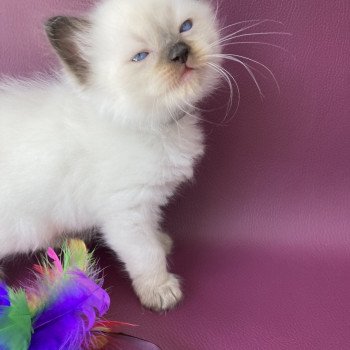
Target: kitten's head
143, 61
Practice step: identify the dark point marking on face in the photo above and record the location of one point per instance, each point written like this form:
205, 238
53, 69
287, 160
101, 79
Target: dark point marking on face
63, 35
179, 52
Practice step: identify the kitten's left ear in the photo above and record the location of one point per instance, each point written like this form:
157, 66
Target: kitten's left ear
66, 35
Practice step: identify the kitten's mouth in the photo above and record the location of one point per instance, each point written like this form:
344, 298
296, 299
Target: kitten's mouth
186, 73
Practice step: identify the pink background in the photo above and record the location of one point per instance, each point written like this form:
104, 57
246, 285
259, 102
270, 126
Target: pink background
263, 235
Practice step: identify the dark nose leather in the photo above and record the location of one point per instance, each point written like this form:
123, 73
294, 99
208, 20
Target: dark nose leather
179, 52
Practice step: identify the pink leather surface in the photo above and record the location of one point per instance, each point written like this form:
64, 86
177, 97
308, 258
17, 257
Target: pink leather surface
122, 341
263, 235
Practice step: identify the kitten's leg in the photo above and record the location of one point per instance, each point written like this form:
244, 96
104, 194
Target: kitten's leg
166, 242
137, 244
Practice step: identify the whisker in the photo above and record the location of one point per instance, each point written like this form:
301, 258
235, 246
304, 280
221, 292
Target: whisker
241, 30
168, 103
194, 107
234, 34
227, 75
237, 23
176, 121
196, 117
256, 42
250, 26
254, 34
264, 66
234, 57
249, 21
201, 109
257, 70
238, 94
216, 11
246, 67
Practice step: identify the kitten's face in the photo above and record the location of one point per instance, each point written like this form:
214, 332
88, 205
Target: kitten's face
153, 55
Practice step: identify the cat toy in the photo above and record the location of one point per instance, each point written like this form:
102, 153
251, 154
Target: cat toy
61, 309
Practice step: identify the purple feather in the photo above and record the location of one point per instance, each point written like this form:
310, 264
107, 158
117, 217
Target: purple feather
67, 319
4, 296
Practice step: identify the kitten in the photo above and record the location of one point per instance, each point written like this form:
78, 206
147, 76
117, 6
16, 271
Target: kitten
108, 141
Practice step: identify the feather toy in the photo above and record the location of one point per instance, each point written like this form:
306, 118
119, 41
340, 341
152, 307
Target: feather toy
15, 321
61, 310
4, 296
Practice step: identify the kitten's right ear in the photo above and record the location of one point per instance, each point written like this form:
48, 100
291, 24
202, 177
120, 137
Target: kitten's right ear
66, 35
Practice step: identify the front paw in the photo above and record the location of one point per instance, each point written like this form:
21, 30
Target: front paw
159, 296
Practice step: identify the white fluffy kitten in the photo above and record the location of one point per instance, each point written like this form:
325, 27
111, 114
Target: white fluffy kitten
106, 143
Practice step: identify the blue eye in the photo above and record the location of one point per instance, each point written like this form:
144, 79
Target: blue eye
186, 26
140, 56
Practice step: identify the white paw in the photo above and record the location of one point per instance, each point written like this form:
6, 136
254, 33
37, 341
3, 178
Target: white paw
166, 242
159, 296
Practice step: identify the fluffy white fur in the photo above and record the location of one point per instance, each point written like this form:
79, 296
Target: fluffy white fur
109, 151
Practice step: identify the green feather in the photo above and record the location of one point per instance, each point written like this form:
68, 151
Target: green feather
16, 323
76, 255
